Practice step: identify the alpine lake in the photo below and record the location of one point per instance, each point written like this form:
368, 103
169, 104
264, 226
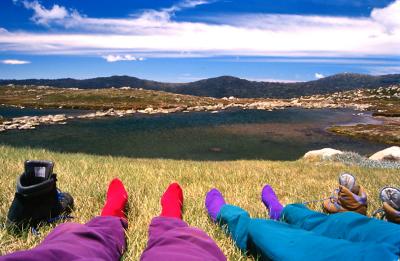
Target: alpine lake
227, 135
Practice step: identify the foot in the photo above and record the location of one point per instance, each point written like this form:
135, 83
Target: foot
348, 197
214, 202
349, 181
172, 201
271, 202
117, 198
391, 196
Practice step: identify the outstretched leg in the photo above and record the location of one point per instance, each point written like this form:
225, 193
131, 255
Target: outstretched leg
102, 238
170, 238
269, 239
345, 225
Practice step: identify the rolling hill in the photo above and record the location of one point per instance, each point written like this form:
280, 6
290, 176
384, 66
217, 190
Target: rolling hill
224, 86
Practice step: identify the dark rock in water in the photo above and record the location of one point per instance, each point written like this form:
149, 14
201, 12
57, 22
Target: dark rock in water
215, 149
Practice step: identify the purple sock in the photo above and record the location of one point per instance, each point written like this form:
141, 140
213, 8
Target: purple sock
271, 201
214, 203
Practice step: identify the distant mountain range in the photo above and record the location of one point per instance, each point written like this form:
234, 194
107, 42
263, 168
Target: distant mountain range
226, 86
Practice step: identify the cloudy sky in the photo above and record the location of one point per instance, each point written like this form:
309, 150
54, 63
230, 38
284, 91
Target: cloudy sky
180, 41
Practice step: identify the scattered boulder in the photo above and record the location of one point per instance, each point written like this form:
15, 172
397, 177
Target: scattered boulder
389, 154
324, 153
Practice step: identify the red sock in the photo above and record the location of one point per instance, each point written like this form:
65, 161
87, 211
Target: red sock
172, 201
117, 197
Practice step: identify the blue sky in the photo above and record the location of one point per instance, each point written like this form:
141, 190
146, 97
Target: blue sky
187, 40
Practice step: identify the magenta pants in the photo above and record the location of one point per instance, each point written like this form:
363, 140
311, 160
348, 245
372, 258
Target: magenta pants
173, 239
103, 238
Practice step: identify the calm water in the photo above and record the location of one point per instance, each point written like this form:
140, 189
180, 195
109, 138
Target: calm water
11, 112
229, 135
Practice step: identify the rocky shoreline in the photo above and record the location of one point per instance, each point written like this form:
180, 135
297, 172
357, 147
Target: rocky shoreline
360, 100
31, 122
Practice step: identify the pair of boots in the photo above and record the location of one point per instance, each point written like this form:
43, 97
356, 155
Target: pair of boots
352, 197
37, 198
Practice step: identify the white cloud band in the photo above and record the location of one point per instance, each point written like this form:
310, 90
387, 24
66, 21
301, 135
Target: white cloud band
155, 33
116, 58
14, 62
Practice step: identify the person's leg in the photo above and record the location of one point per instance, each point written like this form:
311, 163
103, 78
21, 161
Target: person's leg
102, 238
236, 221
274, 240
347, 225
173, 239
170, 238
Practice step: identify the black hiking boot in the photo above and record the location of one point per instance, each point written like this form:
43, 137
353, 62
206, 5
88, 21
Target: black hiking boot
37, 198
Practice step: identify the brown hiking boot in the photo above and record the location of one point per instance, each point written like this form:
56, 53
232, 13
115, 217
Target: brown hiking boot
390, 197
349, 197
391, 214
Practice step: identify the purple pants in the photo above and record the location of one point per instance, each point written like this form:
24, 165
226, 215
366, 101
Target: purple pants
103, 238
173, 239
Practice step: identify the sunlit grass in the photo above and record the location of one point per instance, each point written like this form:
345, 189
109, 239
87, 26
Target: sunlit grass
86, 177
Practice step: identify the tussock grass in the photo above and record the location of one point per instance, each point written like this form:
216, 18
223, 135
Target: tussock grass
86, 177
97, 99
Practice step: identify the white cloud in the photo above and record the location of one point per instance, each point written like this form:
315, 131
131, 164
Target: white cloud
379, 70
319, 75
388, 17
116, 58
14, 62
43, 15
350, 60
156, 33
185, 4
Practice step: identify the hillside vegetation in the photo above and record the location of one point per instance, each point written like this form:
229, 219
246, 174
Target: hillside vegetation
47, 97
226, 86
86, 177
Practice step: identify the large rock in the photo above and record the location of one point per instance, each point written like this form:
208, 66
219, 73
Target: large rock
324, 153
391, 154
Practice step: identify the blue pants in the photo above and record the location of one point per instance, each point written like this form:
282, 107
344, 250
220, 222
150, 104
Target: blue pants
310, 235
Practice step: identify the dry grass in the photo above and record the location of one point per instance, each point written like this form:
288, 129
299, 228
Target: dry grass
98, 99
86, 178
385, 133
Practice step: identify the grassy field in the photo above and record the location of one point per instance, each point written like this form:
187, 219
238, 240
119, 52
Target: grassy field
98, 99
86, 178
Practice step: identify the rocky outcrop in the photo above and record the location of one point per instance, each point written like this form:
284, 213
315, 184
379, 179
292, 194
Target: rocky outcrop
109, 113
389, 154
325, 153
30, 122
